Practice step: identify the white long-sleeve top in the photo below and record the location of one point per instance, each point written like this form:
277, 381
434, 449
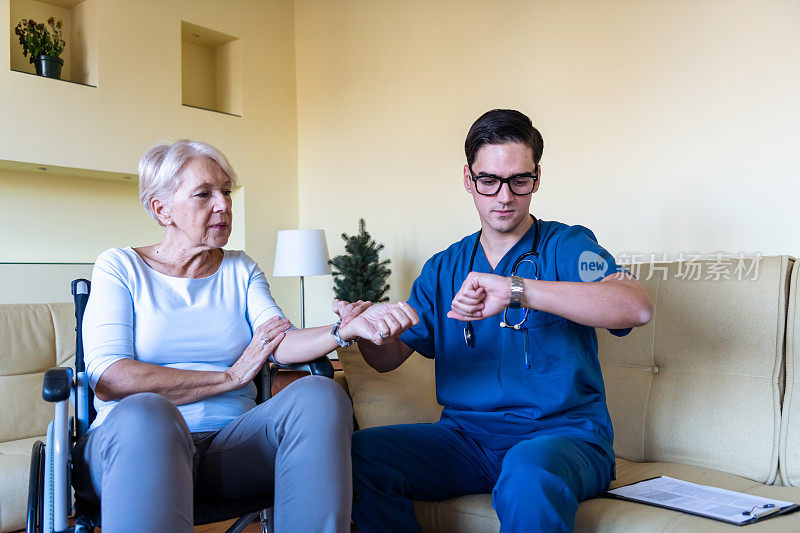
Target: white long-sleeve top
138, 313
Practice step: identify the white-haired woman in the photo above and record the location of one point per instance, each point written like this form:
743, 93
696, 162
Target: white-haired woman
174, 334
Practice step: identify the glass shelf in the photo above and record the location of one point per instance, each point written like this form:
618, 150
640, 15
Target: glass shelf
213, 110
54, 79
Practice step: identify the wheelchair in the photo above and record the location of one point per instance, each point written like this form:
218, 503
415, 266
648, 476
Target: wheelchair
50, 498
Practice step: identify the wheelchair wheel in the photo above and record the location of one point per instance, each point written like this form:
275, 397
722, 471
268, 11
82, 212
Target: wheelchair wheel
36, 490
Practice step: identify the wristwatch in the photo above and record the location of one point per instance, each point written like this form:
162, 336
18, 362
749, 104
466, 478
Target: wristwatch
517, 291
340, 341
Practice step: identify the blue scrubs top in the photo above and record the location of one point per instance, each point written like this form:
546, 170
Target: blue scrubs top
486, 390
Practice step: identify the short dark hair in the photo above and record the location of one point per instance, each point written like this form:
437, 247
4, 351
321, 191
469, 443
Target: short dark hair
500, 126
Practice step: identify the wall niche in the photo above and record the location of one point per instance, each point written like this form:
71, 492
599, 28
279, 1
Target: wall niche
211, 75
79, 32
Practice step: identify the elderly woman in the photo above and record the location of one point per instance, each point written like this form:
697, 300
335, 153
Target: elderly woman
174, 334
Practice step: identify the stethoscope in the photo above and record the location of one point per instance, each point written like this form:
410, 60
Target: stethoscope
527, 257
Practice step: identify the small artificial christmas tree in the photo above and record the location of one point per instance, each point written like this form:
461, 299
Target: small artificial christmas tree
359, 274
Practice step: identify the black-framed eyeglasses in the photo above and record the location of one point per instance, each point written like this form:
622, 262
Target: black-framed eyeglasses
489, 184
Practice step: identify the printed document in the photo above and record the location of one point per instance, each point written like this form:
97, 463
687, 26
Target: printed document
711, 502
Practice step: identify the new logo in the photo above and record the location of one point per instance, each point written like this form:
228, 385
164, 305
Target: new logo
591, 266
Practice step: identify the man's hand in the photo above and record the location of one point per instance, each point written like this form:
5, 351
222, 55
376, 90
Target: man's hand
347, 311
480, 296
380, 323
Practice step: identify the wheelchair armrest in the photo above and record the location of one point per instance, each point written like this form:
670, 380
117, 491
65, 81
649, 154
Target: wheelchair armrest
319, 367
57, 384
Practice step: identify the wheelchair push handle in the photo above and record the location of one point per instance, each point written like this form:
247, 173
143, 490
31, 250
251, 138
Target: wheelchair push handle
80, 293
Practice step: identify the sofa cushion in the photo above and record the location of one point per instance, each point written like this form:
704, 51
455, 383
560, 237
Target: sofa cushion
466, 514
15, 460
474, 513
610, 515
26, 414
35, 337
699, 385
403, 396
790, 424
28, 339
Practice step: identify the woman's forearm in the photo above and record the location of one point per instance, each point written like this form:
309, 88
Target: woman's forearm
301, 345
128, 376
378, 327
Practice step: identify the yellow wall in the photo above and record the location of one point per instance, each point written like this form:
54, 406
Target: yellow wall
228, 73
73, 219
82, 41
198, 81
137, 102
668, 126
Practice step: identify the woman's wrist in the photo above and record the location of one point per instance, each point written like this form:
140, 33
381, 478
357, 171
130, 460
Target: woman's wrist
230, 381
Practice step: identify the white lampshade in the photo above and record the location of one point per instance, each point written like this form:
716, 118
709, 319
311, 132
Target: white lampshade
301, 252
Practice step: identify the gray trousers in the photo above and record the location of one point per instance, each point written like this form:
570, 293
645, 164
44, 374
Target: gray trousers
147, 468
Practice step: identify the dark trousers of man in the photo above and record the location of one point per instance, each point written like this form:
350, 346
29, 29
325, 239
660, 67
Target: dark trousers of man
536, 483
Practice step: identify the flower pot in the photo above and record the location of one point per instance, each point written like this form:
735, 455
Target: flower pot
49, 66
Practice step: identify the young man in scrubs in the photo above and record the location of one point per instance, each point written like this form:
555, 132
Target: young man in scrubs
509, 314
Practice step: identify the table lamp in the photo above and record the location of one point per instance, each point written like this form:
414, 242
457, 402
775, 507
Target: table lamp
301, 252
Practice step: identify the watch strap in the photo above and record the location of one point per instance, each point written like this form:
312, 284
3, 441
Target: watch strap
517, 288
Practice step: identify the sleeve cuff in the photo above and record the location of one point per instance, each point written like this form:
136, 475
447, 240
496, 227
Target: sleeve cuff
266, 314
95, 372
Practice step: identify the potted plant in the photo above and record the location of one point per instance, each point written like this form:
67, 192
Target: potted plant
43, 44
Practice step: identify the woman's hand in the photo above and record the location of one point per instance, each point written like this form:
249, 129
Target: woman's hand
347, 311
266, 338
480, 296
381, 323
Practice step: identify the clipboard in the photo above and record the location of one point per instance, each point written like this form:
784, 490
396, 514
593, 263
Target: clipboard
724, 505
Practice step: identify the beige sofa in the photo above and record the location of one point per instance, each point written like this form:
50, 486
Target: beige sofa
708, 392
33, 338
